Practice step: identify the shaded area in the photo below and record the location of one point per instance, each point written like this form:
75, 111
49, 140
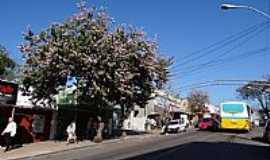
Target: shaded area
209, 151
119, 132
235, 131
260, 139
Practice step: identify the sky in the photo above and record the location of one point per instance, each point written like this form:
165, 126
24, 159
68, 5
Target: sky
182, 27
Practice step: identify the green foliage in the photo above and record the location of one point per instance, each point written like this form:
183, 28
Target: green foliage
112, 64
197, 100
6, 64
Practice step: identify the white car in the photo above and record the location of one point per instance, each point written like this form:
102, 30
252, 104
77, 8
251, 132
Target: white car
176, 126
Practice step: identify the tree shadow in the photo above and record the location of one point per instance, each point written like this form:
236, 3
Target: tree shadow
119, 132
209, 151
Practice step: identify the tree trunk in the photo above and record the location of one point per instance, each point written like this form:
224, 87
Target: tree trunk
264, 108
122, 120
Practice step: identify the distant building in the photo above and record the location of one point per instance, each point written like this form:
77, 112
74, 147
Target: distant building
162, 105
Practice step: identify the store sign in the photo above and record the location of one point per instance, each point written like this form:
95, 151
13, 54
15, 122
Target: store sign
8, 92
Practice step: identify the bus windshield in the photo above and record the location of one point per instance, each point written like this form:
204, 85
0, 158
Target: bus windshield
233, 108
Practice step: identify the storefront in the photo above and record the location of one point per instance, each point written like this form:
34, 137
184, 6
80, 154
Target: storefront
33, 122
69, 110
33, 125
8, 97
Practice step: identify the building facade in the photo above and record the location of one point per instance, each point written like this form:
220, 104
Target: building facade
33, 121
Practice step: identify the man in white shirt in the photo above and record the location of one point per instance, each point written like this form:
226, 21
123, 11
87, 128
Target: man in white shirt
9, 133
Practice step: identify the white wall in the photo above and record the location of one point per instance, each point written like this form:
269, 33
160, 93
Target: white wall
135, 123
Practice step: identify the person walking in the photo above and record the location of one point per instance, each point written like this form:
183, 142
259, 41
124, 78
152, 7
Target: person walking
71, 131
99, 134
9, 133
89, 129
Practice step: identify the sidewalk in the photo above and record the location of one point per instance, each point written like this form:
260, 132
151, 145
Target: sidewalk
38, 148
46, 147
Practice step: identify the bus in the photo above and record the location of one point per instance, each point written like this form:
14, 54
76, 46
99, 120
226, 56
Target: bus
235, 115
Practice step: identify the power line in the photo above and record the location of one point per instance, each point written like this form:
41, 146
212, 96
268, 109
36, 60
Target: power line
228, 60
198, 71
223, 61
215, 60
244, 41
224, 82
218, 45
210, 85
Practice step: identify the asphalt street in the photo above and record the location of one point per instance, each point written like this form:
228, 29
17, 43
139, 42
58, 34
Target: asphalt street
193, 145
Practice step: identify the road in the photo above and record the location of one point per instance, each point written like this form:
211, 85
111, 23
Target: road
188, 146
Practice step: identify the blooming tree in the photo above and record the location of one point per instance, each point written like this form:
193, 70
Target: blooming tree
112, 64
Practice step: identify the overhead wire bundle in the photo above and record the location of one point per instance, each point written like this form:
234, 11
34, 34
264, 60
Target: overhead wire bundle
217, 52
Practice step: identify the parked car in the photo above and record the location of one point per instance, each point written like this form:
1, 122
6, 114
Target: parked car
266, 132
208, 124
176, 126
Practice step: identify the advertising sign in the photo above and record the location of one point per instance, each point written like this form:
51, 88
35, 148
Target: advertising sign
8, 92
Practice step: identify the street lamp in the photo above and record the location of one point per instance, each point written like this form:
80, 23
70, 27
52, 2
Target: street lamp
227, 6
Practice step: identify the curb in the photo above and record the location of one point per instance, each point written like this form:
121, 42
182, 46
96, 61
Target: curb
68, 149
111, 141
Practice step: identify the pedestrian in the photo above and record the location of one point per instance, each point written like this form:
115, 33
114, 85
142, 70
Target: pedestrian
9, 133
165, 125
71, 131
148, 124
99, 136
89, 128
94, 128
